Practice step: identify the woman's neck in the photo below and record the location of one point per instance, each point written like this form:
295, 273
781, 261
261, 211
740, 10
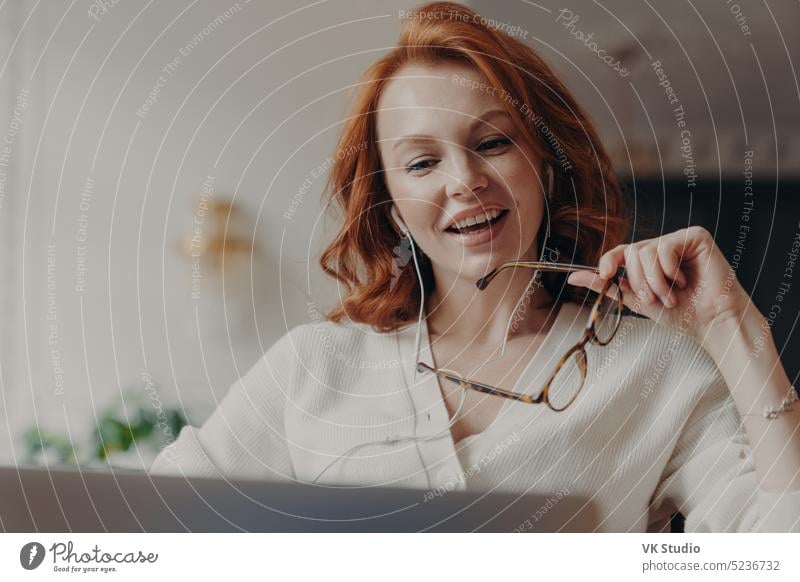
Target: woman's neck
459, 310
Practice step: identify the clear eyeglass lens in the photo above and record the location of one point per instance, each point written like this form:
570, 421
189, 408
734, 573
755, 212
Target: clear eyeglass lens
609, 315
568, 381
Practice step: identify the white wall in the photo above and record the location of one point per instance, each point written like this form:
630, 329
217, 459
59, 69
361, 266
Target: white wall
263, 93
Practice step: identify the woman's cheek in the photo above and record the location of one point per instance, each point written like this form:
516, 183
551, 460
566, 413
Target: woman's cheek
421, 215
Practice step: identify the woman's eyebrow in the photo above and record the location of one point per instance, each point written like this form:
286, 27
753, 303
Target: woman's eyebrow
478, 121
488, 115
412, 138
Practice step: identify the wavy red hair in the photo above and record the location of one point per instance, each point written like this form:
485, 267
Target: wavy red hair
585, 209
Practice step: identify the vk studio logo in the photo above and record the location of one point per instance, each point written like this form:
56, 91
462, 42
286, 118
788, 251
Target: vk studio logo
31, 555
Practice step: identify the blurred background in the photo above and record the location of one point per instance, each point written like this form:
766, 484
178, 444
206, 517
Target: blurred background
139, 138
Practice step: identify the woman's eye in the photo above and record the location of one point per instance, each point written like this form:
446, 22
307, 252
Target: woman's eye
419, 166
494, 143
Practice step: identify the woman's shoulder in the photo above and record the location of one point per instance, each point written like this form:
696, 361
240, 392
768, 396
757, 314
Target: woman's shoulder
657, 355
643, 344
324, 342
326, 330
651, 338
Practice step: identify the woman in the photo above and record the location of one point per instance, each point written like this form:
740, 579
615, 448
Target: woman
464, 152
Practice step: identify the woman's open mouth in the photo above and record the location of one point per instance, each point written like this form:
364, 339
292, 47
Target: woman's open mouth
479, 233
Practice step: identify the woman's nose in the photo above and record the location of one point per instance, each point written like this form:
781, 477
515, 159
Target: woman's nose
468, 175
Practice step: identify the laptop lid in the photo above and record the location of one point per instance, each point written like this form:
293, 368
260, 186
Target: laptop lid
42, 500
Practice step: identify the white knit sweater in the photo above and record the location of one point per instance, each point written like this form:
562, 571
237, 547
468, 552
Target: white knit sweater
653, 431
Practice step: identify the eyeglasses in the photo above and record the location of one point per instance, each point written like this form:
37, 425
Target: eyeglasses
569, 376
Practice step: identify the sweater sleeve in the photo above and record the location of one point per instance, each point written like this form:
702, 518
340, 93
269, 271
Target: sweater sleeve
244, 437
710, 477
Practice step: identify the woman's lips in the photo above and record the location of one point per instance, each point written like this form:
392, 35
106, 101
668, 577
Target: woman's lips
482, 236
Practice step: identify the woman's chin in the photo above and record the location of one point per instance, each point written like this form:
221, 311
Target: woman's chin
474, 263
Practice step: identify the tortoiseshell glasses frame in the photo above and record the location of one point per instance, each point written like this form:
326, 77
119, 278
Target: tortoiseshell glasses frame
578, 350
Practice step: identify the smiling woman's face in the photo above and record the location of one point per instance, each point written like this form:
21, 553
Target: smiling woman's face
451, 153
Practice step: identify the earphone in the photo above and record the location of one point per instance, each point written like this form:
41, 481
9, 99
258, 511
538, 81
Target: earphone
446, 431
399, 222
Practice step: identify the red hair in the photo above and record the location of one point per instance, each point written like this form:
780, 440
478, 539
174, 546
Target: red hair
585, 207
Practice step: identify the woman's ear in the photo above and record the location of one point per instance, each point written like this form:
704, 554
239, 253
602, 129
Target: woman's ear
398, 221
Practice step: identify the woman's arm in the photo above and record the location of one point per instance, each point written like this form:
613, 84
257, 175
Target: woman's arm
683, 281
744, 351
245, 435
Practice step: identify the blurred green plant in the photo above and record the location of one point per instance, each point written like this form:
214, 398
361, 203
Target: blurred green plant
133, 421
41, 445
116, 435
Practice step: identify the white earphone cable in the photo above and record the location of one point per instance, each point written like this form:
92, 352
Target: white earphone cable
446, 430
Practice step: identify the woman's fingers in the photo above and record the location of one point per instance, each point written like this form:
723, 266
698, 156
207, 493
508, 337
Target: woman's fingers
634, 272
670, 257
591, 280
586, 279
652, 270
610, 262
654, 273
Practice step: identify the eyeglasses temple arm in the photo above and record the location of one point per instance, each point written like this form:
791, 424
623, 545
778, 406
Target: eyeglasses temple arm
484, 281
422, 367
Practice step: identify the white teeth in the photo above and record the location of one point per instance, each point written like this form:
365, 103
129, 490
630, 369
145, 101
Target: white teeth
486, 217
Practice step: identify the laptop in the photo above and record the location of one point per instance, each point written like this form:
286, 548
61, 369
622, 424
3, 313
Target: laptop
47, 500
